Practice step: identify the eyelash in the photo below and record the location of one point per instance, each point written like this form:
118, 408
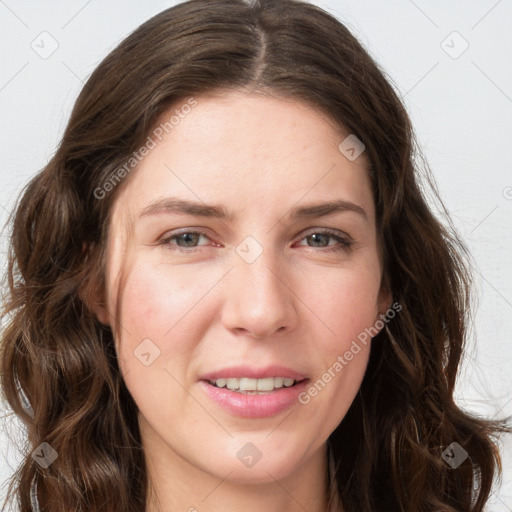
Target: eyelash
344, 243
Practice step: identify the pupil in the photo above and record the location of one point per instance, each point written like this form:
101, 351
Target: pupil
315, 236
185, 236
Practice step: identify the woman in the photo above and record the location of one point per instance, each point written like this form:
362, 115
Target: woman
256, 369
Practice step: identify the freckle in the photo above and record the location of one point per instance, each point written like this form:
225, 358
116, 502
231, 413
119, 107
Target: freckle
148, 313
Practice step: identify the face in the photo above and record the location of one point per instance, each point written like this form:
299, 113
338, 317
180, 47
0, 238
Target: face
255, 286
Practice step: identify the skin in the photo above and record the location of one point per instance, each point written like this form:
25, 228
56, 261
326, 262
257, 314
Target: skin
296, 305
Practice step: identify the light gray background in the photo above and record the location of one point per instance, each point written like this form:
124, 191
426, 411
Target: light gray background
461, 107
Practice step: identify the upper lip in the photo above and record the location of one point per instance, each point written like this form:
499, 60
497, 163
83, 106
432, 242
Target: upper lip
253, 372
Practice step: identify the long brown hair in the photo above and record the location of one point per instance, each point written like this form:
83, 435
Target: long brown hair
58, 362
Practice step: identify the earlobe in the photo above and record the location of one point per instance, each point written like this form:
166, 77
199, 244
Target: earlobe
95, 303
89, 290
101, 312
385, 297
385, 304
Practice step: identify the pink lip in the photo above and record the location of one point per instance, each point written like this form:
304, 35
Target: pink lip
237, 372
254, 406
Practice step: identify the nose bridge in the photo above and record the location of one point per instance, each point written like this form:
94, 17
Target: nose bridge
259, 299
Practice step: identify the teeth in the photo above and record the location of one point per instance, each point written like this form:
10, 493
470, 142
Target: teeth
233, 384
247, 384
267, 384
278, 382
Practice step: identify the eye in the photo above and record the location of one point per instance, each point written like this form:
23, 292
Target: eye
186, 241
322, 237
187, 238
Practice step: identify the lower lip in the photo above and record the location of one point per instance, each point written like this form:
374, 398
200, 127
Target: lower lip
255, 406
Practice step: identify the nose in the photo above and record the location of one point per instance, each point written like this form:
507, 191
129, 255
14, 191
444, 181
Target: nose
259, 300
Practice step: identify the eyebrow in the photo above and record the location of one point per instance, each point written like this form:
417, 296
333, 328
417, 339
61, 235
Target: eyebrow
172, 205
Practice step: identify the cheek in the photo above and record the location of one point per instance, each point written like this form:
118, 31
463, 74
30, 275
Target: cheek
346, 308
346, 305
156, 297
154, 308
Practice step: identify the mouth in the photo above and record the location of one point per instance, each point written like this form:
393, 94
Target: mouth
252, 386
251, 393
254, 392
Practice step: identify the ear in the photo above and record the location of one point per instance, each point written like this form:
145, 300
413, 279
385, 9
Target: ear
90, 290
100, 310
385, 297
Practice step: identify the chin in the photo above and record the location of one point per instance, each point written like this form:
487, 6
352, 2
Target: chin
259, 461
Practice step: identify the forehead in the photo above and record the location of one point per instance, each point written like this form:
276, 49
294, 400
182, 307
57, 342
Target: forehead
247, 151
251, 124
